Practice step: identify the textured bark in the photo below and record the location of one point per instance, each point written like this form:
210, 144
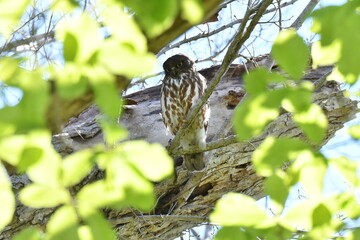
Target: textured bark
187, 201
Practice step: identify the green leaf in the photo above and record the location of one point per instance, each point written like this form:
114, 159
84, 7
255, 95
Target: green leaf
230, 233
292, 54
347, 168
138, 191
63, 224
235, 209
273, 153
76, 166
81, 38
30, 233
321, 215
311, 168
313, 122
113, 131
99, 194
38, 196
99, 227
257, 80
298, 99
147, 158
106, 94
70, 81
152, 18
354, 131
192, 10
254, 113
299, 216
326, 23
130, 60
10, 15
277, 186
324, 55
7, 199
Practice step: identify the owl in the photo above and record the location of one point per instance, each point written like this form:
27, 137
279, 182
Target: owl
182, 88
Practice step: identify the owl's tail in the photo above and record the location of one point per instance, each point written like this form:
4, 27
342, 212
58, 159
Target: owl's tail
194, 162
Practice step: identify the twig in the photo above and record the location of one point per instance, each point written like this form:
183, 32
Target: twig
301, 18
231, 53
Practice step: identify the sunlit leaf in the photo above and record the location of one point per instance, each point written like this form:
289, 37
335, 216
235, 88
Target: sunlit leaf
313, 122
7, 199
70, 81
37, 196
84, 232
192, 10
354, 131
152, 18
106, 94
10, 15
147, 158
253, 114
63, 224
235, 209
65, 5
99, 226
113, 131
76, 166
278, 186
292, 54
138, 190
297, 100
347, 168
30, 233
323, 55
81, 38
300, 215
257, 80
273, 153
340, 77
130, 60
230, 233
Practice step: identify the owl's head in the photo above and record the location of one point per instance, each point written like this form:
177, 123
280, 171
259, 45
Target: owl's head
177, 64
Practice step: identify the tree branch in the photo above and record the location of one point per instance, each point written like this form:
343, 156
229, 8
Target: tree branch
301, 18
231, 53
146, 218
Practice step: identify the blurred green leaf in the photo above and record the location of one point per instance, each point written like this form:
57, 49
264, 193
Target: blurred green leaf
324, 55
38, 196
277, 186
292, 54
313, 122
130, 60
70, 81
274, 153
84, 232
192, 10
63, 224
10, 15
64, 5
106, 94
99, 194
76, 166
297, 99
354, 131
30, 233
99, 227
147, 158
81, 38
254, 113
7, 199
138, 191
321, 215
343, 36
299, 216
235, 209
257, 80
113, 131
8, 68
152, 18
346, 168
133, 36
230, 233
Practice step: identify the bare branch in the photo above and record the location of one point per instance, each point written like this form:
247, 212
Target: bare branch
301, 18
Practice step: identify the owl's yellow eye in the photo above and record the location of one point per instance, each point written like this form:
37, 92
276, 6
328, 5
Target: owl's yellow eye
179, 64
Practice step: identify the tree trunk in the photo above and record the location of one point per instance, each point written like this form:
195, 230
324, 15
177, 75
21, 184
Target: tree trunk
186, 201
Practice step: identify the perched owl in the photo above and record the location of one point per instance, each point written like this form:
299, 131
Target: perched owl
181, 90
